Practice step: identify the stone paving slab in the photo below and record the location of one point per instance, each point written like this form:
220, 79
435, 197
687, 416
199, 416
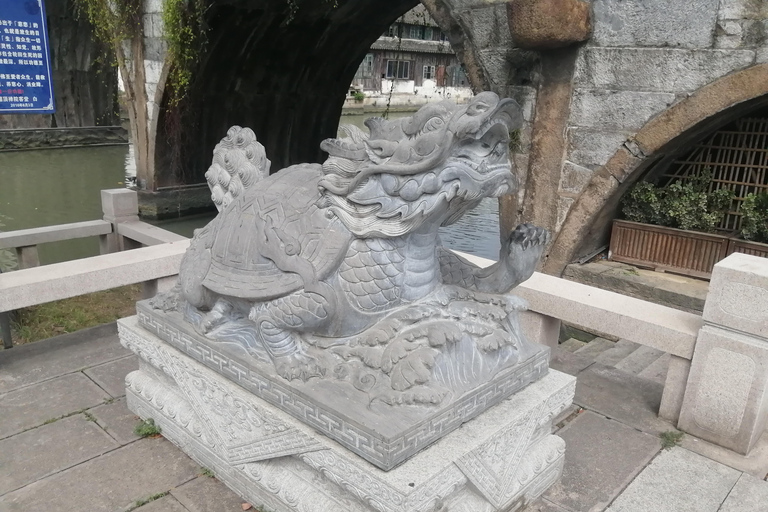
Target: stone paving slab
205, 494
657, 371
622, 349
545, 506
639, 360
678, 480
39, 361
33, 405
622, 396
750, 494
595, 347
109, 483
593, 473
117, 421
111, 376
165, 504
45, 450
568, 362
756, 463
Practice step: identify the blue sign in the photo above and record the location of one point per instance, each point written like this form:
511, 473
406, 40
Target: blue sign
26, 86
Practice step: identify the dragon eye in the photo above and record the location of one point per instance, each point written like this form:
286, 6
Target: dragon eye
433, 124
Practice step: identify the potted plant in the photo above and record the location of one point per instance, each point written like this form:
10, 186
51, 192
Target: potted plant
754, 226
672, 227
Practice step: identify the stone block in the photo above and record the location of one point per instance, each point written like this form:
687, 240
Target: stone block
592, 148
726, 400
525, 97
152, 69
502, 458
488, 26
155, 48
153, 6
563, 207
153, 25
762, 56
544, 24
593, 475
738, 294
659, 23
755, 463
119, 203
539, 328
656, 69
574, 178
678, 481
623, 110
742, 9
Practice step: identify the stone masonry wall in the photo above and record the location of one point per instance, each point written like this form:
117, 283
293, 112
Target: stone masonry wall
644, 56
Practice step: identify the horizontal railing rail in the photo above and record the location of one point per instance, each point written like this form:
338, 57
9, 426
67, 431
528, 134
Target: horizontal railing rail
58, 233
32, 286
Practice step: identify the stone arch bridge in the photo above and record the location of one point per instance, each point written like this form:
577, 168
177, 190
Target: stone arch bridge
608, 88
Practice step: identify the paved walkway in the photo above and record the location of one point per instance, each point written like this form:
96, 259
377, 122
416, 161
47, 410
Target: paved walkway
67, 442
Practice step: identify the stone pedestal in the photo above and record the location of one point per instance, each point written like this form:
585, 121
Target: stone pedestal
726, 399
502, 459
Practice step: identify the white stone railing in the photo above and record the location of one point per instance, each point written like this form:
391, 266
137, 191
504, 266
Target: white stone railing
718, 372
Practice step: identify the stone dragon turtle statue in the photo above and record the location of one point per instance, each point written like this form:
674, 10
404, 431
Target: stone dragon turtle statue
336, 270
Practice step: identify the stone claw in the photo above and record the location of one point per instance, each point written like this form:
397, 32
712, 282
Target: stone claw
298, 366
527, 235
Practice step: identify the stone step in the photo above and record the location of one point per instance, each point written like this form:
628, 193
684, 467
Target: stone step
622, 349
639, 360
595, 347
657, 371
572, 344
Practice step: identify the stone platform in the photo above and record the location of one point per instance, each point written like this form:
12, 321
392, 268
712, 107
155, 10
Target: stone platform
383, 434
501, 460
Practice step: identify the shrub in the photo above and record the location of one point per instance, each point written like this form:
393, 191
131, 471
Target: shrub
683, 204
358, 95
754, 217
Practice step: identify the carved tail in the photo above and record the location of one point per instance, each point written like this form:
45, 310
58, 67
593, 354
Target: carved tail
239, 161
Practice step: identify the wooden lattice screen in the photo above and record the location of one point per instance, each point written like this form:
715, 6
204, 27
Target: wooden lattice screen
737, 156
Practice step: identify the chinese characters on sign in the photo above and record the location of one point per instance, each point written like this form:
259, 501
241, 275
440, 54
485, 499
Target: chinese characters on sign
26, 86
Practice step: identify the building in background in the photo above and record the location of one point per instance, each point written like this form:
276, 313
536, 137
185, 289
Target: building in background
415, 58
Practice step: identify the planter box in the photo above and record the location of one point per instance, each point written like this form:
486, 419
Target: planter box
675, 250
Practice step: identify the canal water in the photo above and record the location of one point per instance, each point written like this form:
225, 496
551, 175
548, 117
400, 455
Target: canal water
58, 186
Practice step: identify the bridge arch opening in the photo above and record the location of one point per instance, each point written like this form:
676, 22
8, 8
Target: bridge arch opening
653, 148
286, 80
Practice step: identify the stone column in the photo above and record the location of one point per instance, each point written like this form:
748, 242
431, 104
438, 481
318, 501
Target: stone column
119, 205
726, 399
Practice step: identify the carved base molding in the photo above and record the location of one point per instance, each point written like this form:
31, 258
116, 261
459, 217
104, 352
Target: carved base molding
500, 460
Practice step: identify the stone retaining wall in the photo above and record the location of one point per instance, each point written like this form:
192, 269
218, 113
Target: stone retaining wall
43, 138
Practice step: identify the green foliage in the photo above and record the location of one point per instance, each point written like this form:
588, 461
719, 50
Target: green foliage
670, 438
185, 32
359, 96
113, 21
147, 428
207, 472
683, 204
754, 217
149, 499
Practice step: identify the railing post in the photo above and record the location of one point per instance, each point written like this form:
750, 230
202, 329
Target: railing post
119, 205
725, 397
27, 257
5, 329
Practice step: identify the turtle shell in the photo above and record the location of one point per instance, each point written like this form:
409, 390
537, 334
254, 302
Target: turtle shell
273, 238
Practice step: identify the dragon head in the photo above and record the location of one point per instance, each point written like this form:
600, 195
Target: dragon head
431, 167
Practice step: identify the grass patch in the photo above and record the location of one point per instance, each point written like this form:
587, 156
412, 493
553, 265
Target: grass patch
69, 315
207, 472
150, 499
147, 428
670, 439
